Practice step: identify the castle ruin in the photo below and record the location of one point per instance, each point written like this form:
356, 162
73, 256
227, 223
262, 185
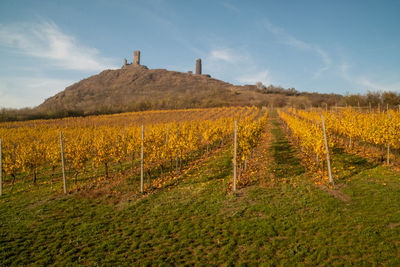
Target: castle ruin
136, 57
136, 64
136, 60
198, 66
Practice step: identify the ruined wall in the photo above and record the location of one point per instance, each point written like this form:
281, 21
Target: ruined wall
198, 66
136, 57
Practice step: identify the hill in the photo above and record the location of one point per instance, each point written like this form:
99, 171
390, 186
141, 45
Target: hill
138, 88
134, 87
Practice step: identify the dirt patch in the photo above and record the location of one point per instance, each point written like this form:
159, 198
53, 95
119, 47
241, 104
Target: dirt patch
42, 201
336, 192
238, 201
393, 225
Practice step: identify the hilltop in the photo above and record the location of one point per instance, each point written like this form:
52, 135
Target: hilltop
140, 88
135, 87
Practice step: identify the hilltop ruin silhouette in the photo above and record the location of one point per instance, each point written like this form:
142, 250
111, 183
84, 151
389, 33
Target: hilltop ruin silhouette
136, 63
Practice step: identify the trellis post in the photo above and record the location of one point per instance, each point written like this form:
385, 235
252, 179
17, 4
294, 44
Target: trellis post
327, 151
234, 156
63, 163
141, 162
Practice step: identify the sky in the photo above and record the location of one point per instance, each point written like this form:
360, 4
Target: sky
323, 46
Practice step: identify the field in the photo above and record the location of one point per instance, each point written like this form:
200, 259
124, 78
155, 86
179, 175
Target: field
285, 211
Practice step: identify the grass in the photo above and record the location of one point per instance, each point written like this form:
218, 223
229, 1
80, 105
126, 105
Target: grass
287, 164
198, 221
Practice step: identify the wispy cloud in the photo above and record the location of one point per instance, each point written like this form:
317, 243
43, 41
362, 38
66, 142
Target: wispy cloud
223, 55
230, 6
285, 37
45, 40
229, 55
325, 59
290, 40
222, 60
17, 92
368, 83
236, 64
344, 69
378, 85
253, 78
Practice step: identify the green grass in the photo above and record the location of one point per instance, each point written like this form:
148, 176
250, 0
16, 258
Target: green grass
287, 164
198, 221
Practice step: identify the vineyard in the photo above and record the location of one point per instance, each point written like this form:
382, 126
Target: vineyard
372, 135
219, 186
103, 145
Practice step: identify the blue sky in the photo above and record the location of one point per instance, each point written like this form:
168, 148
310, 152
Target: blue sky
323, 46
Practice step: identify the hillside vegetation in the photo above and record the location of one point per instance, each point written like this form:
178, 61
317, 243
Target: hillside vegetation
139, 88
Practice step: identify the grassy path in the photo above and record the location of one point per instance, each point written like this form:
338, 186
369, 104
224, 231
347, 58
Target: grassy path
287, 164
199, 222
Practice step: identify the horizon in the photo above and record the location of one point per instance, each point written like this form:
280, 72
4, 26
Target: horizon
311, 46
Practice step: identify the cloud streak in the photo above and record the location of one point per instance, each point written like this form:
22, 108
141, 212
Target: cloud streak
229, 55
290, 40
366, 82
46, 41
236, 63
17, 92
230, 6
253, 78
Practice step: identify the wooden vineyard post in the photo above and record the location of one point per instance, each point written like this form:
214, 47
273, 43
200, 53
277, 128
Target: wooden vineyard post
327, 151
166, 135
234, 156
177, 159
388, 153
388, 146
141, 162
63, 163
1, 171
207, 141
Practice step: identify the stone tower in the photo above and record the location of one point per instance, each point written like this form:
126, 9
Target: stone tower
198, 66
125, 62
136, 57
